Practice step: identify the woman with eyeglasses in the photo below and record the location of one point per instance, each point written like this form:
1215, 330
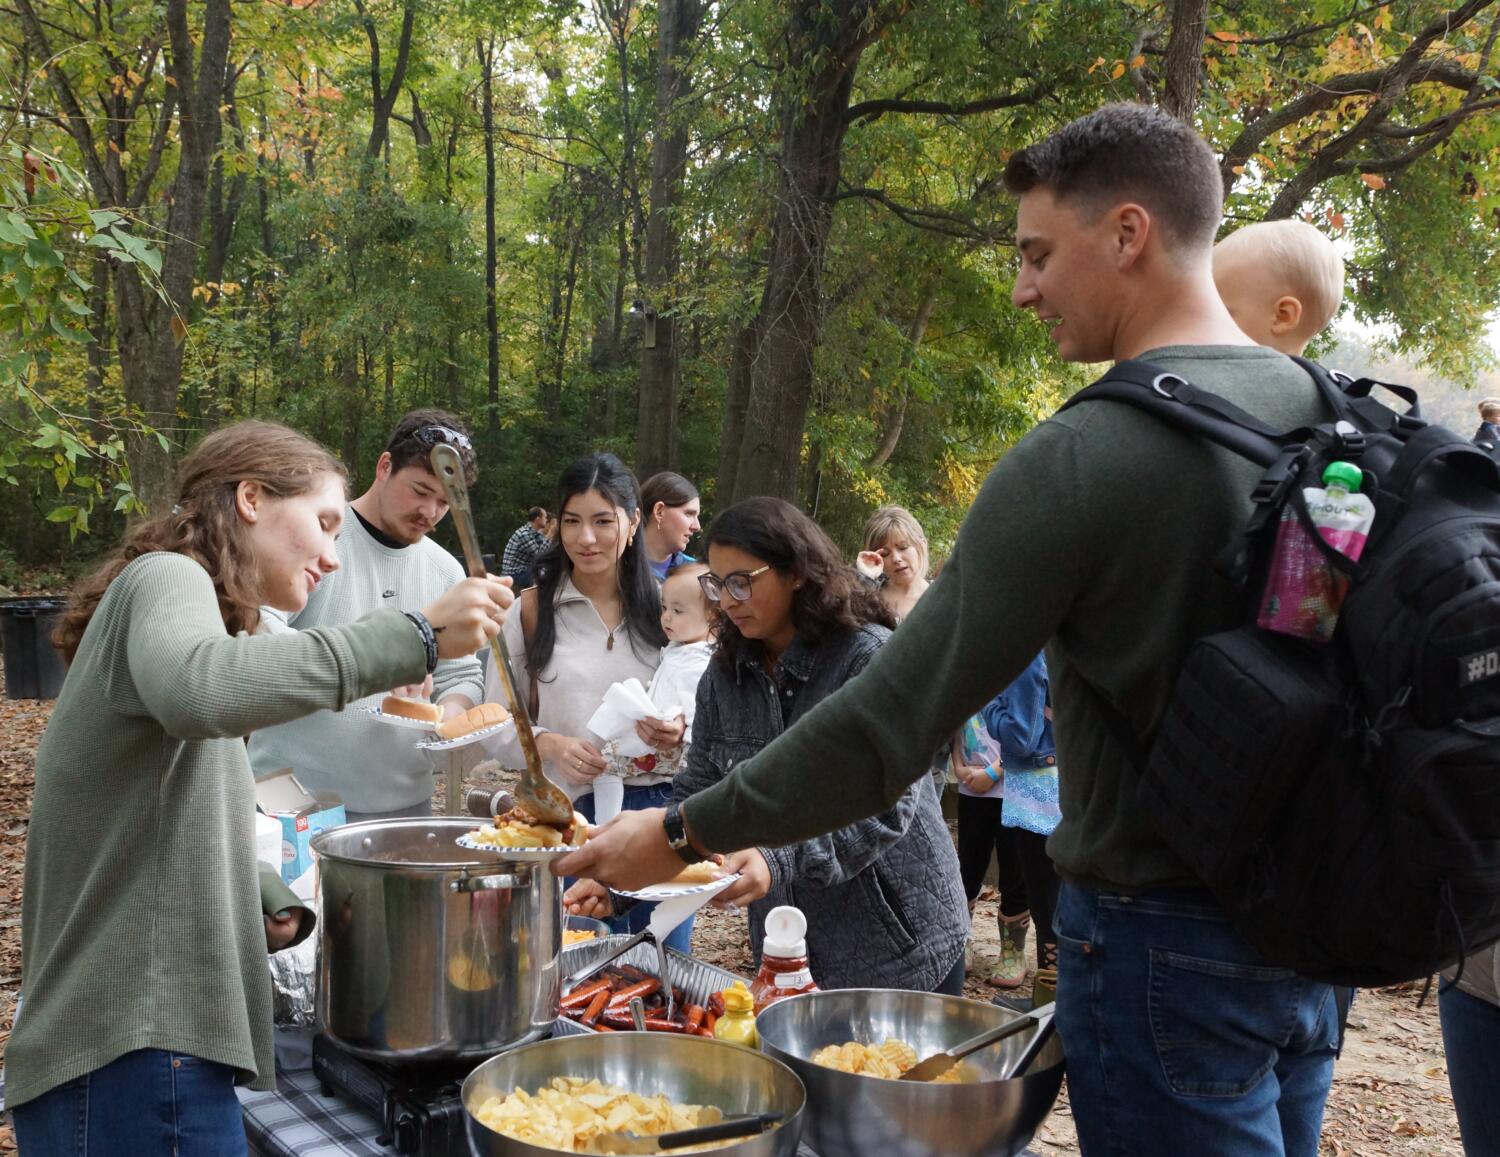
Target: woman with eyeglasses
883, 898
592, 619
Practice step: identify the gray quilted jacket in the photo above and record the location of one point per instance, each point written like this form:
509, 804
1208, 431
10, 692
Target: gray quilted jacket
884, 903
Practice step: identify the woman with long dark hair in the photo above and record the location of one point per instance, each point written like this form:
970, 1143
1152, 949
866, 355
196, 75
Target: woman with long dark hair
883, 898
592, 619
147, 993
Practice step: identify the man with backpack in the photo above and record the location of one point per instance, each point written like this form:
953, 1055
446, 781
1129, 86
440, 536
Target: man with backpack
1110, 535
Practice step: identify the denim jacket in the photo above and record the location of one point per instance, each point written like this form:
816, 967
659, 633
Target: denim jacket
884, 902
1018, 720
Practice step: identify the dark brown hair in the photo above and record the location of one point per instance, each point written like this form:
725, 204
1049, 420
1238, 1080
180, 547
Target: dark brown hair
668, 488
204, 526
833, 597
640, 596
406, 450
1129, 152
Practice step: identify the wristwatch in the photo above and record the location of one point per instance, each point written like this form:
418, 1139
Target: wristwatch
677, 837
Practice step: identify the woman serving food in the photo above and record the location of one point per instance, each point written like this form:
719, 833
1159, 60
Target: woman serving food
147, 997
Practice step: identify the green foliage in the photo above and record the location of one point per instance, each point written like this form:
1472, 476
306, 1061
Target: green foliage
352, 287
46, 232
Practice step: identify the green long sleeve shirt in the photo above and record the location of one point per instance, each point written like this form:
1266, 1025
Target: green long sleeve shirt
1095, 536
141, 920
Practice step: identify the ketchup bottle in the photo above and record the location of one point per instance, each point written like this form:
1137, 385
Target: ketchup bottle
783, 959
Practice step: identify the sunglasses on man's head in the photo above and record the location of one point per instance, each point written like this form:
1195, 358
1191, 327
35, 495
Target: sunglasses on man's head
442, 436
737, 583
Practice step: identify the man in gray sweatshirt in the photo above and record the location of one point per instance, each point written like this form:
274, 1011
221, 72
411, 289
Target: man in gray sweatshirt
385, 560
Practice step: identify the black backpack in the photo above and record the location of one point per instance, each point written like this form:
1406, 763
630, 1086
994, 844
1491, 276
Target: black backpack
1342, 801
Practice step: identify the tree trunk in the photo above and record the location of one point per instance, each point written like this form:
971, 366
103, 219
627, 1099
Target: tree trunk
223, 207
491, 321
267, 235
656, 418
896, 415
1183, 62
150, 343
383, 96
98, 340
736, 402
812, 132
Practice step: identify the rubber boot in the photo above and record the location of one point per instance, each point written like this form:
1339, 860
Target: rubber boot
1011, 971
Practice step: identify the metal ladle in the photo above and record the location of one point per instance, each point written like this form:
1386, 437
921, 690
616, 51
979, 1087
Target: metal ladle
535, 792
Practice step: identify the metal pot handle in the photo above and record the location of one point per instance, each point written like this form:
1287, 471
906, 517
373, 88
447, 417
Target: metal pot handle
487, 883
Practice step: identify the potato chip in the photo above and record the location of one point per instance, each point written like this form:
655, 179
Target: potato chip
888, 1061
567, 1113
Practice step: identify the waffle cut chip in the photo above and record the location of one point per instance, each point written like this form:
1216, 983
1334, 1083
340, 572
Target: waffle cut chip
888, 1061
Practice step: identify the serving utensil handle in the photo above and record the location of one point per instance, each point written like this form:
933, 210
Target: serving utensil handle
449, 468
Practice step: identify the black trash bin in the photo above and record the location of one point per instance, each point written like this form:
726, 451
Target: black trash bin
33, 667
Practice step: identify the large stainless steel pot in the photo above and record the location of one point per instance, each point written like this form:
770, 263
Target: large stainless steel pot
428, 951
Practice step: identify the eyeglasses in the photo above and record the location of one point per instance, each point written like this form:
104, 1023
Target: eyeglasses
442, 436
737, 583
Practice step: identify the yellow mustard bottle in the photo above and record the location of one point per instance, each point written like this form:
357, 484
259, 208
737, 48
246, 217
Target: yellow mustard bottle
737, 1025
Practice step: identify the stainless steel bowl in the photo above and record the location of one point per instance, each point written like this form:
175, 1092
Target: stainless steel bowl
867, 1115
689, 1070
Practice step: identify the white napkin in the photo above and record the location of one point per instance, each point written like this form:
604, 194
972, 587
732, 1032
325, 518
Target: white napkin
623, 706
609, 796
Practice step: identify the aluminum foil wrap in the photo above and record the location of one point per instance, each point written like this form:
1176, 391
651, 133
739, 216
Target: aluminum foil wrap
294, 971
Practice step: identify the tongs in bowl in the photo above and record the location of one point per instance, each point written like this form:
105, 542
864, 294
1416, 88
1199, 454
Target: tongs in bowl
682, 1138
939, 1063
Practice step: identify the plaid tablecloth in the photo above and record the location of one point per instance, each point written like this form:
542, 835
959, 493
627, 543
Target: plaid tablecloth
298, 1121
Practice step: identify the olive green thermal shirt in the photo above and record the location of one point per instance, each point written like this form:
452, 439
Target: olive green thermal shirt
141, 920
1095, 536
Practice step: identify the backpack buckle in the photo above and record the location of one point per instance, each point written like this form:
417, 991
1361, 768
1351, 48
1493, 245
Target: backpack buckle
1405, 426
1348, 441
1279, 477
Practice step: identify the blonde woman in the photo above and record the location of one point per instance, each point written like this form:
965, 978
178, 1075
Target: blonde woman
895, 556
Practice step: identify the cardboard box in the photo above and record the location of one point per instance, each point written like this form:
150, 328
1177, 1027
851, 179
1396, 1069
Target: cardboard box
302, 815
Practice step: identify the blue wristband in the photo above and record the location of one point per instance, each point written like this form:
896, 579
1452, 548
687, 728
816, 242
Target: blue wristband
990, 771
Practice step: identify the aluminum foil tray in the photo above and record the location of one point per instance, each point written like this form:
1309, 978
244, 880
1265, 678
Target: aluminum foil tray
697, 980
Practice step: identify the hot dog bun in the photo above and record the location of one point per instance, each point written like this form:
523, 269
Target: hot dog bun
418, 709
705, 872
474, 719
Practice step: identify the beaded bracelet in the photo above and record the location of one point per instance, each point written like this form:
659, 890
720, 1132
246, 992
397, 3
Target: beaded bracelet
429, 639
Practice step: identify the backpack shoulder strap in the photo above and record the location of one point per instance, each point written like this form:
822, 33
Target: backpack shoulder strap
1176, 400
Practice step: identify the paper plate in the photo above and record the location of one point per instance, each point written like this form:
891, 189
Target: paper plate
399, 720
524, 854
670, 891
464, 740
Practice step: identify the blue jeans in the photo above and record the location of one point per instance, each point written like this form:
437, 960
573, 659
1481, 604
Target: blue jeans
1471, 1040
1180, 1038
149, 1103
639, 799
